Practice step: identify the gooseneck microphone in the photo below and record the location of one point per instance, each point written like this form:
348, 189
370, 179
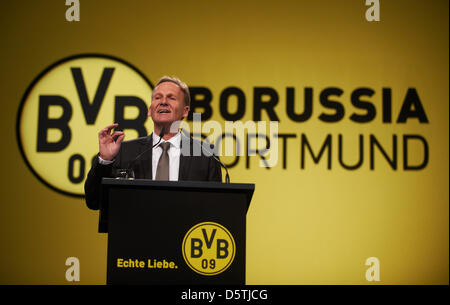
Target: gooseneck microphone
227, 176
161, 134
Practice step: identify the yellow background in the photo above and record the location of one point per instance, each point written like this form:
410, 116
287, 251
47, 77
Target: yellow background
310, 226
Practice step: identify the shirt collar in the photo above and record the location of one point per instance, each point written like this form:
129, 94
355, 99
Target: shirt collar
175, 140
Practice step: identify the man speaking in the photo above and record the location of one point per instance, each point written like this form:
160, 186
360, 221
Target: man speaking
166, 154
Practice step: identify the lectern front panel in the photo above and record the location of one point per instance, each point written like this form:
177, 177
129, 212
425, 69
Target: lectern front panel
176, 236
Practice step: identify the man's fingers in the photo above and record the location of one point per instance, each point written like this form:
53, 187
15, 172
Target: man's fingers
120, 138
107, 129
117, 133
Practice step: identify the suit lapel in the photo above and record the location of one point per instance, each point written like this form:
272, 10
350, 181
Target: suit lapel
182, 174
147, 160
185, 148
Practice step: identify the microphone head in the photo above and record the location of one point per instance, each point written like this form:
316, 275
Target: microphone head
163, 132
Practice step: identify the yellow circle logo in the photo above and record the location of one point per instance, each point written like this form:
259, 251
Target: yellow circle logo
64, 108
208, 248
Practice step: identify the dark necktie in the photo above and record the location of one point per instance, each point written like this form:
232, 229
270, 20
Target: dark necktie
162, 171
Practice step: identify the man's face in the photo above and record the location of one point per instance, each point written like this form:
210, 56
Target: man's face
167, 104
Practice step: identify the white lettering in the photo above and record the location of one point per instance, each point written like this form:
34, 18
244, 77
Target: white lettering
73, 12
373, 273
373, 12
73, 272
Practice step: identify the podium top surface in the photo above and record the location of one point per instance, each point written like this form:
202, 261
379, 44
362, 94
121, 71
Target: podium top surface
179, 184
248, 189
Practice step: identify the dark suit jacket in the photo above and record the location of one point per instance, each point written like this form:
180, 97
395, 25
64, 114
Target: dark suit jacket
195, 165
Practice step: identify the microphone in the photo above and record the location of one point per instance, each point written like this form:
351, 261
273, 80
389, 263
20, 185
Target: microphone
161, 134
227, 176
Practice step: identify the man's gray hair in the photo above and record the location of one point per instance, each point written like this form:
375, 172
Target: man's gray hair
179, 83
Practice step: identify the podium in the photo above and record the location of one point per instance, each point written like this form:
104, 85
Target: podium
181, 233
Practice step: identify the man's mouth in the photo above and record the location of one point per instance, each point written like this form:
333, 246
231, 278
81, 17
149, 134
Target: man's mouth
164, 111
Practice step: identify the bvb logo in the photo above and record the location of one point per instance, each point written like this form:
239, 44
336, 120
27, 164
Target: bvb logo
208, 248
64, 108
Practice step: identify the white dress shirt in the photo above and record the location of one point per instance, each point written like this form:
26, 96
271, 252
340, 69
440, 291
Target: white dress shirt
174, 156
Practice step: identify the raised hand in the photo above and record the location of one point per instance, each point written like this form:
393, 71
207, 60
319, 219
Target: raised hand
109, 148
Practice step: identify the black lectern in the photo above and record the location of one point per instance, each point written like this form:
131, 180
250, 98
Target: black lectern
162, 232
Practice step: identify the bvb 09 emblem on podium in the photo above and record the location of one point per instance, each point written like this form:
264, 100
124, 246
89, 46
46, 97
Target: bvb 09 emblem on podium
208, 248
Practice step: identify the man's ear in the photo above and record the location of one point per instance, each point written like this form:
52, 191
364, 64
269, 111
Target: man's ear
149, 113
186, 111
